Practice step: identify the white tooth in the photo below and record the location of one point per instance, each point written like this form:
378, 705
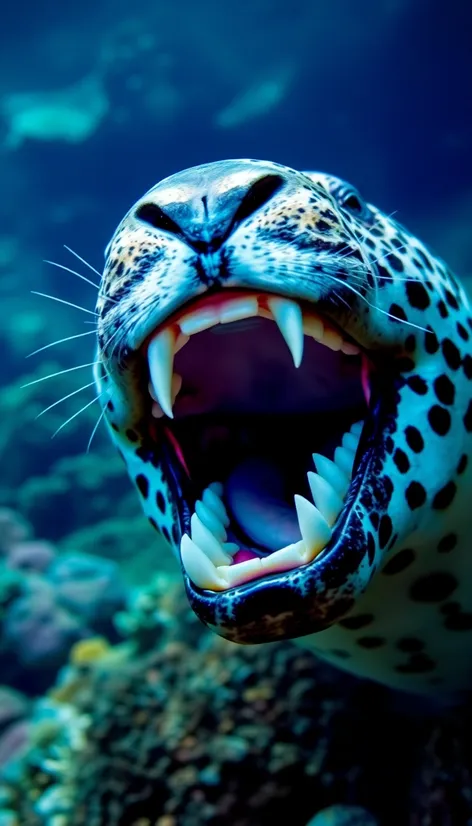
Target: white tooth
198, 320
217, 488
289, 319
350, 441
160, 359
314, 529
230, 548
292, 556
237, 309
330, 471
332, 340
199, 568
209, 518
214, 503
350, 349
344, 458
357, 428
326, 499
207, 542
313, 327
244, 572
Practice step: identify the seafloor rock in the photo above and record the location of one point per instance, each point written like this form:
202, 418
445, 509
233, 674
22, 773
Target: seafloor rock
199, 730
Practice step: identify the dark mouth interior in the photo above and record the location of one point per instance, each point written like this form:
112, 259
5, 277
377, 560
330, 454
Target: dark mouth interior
246, 417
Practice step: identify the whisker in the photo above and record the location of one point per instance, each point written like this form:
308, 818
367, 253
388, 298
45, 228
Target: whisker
61, 373
74, 393
60, 341
63, 301
97, 425
73, 272
74, 416
82, 260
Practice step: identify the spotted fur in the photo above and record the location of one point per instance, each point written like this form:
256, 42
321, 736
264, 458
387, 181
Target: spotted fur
390, 598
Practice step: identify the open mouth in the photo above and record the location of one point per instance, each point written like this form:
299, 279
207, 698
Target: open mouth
262, 401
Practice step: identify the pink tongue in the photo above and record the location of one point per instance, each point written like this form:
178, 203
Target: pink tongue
243, 556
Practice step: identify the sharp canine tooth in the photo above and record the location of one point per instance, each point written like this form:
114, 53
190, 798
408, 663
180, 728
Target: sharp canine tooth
198, 320
344, 458
237, 309
199, 568
289, 319
160, 359
326, 499
332, 473
207, 542
314, 529
350, 441
181, 342
217, 488
357, 428
214, 503
210, 519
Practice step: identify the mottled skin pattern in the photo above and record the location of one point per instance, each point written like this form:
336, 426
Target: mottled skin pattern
390, 597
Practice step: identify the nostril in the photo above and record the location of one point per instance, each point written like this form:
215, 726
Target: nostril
259, 194
156, 217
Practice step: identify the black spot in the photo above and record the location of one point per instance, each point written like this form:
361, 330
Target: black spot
462, 331
389, 444
431, 342
166, 534
447, 543
322, 226
131, 435
405, 364
467, 366
143, 485
410, 343
451, 300
370, 642
458, 621
433, 587
153, 522
397, 312
463, 462
401, 460
415, 495
417, 295
426, 261
410, 645
370, 547
399, 562
444, 389
439, 419
451, 354
418, 385
414, 439
354, 623
374, 518
160, 502
114, 427
175, 534
418, 663
110, 406
444, 496
468, 418
443, 311
385, 530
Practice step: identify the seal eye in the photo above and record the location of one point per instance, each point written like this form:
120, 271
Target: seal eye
350, 200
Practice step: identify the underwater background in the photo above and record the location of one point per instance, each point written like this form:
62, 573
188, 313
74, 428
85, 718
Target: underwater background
117, 708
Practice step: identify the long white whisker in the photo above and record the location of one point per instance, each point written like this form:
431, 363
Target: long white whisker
74, 416
60, 373
97, 425
59, 341
374, 306
74, 393
73, 272
82, 260
63, 301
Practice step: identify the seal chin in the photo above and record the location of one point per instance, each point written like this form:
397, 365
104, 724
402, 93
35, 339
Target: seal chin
261, 402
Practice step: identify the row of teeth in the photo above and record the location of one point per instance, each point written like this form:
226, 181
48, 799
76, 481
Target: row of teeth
292, 322
208, 559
